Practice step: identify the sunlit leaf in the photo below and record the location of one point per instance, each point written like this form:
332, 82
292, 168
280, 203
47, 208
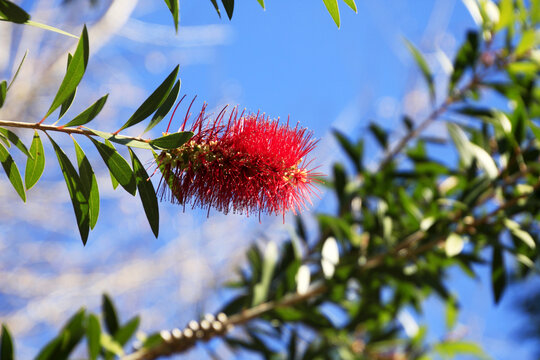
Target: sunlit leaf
111, 345
154, 101
453, 245
172, 141
173, 6
50, 28
76, 192
165, 107
424, 67
118, 166
526, 43
89, 184
124, 140
260, 291
351, 4
12, 172
146, 193
18, 70
74, 73
333, 9
261, 2
506, 11
35, 164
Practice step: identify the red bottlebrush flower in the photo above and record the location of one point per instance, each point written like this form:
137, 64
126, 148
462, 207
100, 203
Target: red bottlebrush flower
247, 164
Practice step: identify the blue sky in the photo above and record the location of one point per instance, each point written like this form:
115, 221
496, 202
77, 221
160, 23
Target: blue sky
289, 60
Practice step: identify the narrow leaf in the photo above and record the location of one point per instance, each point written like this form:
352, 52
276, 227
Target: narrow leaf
18, 69
125, 333
11, 136
89, 184
50, 28
165, 107
11, 12
6, 345
260, 291
214, 2
74, 73
173, 7
229, 7
154, 101
506, 11
261, 2
109, 314
89, 114
146, 193
424, 67
114, 182
351, 4
93, 335
498, 274
76, 191
3, 92
485, 161
124, 140
67, 103
35, 164
172, 141
118, 166
12, 172
333, 9
462, 144
526, 43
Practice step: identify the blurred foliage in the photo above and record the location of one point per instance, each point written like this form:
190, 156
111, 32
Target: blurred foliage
339, 292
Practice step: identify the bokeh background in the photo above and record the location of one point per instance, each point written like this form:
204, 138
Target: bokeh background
289, 60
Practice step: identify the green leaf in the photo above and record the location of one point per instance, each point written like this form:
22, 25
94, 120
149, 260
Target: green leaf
462, 143
18, 69
526, 43
111, 345
261, 2
355, 152
71, 334
521, 234
485, 161
114, 182
3, 92
11, 12
465, 58
424, 67
454, 348
451, 312
118, 166
76, 191
260, 291
453, 245
89, 114
6, 345
380, 135
153, 102
125, 333
229, 7
74, 73
214, 2
165, 107
50, 28
124, 140
146, 193
498, 274
89, 184
333, 9
173, 7
67, 103
11, 136
506, 14
35, 164
172, 141
351, 4
93, 336
12, 172
109, 314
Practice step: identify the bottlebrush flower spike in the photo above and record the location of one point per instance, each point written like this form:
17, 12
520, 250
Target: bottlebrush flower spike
247, 164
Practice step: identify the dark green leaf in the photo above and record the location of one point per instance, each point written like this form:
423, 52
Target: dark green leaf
11, 136
333, 9
35, 164
3, 92
173, 7
109, 315
214, 2
165, 107
380, 135
229, 7
71, 334
74, 73
118, 166
172, 141
498, 274
89, 114
355, 152
465, 58
67, 103
154, 101
146, 193
76, 191
93, 334
12, 172
11, 12
125, 333
424, 67
6, 345
89, 184
114, 182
